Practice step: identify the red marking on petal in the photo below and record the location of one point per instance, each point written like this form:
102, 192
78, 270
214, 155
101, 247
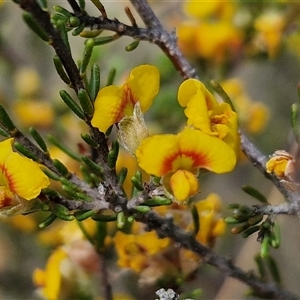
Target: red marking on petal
127, 100
197, 158
5, 202
10, 183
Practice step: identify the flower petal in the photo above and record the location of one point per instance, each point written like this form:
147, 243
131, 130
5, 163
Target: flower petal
144, 84
207, 151
153, 151
183, 184
19, 174
197, 113
189, 150
109, 108
25, 176
191, 87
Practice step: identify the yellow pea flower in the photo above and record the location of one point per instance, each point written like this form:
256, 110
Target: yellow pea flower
51, 279
210, 9
206, 114
26, 112
135, 250
212, 225
177, 158
270, 27
19, 176
282, 164
113, 103
253, 115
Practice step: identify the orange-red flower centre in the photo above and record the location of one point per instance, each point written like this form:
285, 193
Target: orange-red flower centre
193, 159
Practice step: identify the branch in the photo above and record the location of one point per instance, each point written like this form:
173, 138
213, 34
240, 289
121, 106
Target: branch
286, 188
166, 228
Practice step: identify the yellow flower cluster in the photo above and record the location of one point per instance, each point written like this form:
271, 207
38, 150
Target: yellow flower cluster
210, 141
253, 115
211, 35
156, 259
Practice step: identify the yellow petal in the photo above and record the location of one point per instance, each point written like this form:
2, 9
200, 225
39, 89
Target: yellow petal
189, 150
197, 113
154, 151
19, 174
192, 87
109, 108
144, 85
53, 275
5, 150
207, 151
183, 184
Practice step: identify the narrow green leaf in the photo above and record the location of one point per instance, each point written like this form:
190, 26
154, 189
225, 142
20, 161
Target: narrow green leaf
88, 139
132, 46
78, 30
51, 174
142, 208
43, 5
250, 231
101, 235
92, 165
261, 267
6, 121
81, 4
158, 201
264, 248
62, 11
122, 175
94, 82
111, 76
85, 102
3, 132
89, 45
99, 5
232, 220
220, 91
121, 220
61, 26
39, 140
25, 151
69, 101
240, 228
60, 70
54, 141
62, 169
83, 215
294, 120
90, 34
255, 193
35, 27
274, 270
49, 220
255, 219
104, 40
74, 22
113, 155
136, 183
